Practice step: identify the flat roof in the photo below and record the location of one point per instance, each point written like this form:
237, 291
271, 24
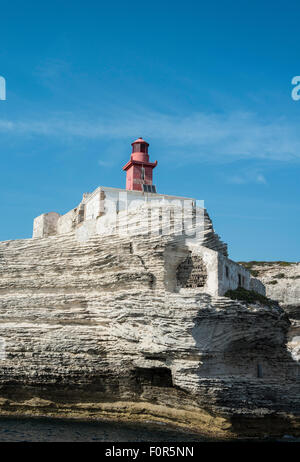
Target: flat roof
129, 191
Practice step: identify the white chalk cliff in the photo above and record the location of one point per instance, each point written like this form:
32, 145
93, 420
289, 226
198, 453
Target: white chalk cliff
122, 327
282, 282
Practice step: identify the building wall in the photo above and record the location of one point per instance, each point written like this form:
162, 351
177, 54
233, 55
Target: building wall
65, 223
231, 275
210, 260
110, 210
219, 279
125, 210
45, 225
134, 176
129, 200
103, 204
93, 206
217, 282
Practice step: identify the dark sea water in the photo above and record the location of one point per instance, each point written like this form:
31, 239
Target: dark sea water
58, 430
36, 430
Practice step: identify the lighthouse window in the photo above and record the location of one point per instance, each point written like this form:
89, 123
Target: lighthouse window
149, 188
139, 147
143, 173
227, 271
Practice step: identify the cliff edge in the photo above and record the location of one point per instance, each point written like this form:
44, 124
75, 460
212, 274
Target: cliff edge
102, 329
282, 282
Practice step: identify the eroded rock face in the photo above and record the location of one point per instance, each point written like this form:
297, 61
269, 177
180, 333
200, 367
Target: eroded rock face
282, 282
96, 328
192, 272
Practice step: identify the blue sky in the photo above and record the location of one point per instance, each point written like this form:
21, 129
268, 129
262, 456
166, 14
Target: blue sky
207, 84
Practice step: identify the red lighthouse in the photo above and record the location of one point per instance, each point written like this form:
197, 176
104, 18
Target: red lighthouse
139, 169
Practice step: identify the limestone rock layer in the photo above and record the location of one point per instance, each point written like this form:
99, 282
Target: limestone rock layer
88, 325
282, 282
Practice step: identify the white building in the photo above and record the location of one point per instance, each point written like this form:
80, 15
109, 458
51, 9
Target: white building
136, 211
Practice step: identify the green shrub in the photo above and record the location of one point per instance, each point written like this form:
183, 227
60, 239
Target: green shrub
273, 282
249, 296
250, 264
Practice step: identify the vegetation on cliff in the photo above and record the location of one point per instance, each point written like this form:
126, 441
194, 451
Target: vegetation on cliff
249, 296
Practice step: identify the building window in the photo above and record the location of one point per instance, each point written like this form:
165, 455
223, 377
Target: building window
259, 371
227, 271
139, 147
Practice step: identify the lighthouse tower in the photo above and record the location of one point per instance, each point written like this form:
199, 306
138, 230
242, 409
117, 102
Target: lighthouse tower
139, 169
